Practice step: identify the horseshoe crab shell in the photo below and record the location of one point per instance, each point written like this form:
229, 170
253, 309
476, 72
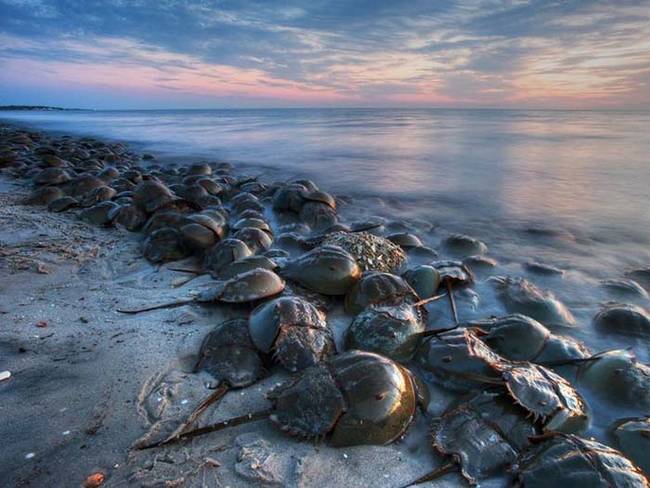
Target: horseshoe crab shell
562, 460
459, 359
256, 239
228, 354
326, 269
164, 244
633, 438
521, 338
294, 329
546, 395
246, 264
224, 253
484, 435
521, 296
455, 272
357, 397
619, 378
247, 287
623, 319
462, 245
393, 331
373, 253
376, 288
424, 279
152, 195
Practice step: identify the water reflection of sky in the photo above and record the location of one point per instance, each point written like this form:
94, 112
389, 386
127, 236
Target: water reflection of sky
582, 168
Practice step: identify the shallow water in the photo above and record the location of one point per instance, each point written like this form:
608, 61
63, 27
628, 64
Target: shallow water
567, 188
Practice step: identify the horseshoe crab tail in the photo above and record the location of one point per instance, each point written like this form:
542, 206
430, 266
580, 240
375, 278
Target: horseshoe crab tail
225, 424
452, 301
212, 398
180, 303
566, 362
429, 300
435, 474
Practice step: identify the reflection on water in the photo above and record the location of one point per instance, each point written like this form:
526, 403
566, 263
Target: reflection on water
484, 172
570, 168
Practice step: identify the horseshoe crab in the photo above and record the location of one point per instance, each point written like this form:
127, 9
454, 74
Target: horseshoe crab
619, 378
623, 319
624, 287
633, 438
318, 215
165, 244
353, 398
99, 194
129, 216
461, 245
294, 330
326, 269
405, 240
44, 195
391, 330
152, 195
424, 279
224, 253
521, 296
453, 274
521, 338
247, 264
256, 239
52, 176
99, 214
246, 287
230, 357
371, 252
376, 288
62, 204
460, 359
484, 436
561, 459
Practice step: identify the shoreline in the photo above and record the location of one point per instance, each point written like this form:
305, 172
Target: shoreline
89, 383
83, 375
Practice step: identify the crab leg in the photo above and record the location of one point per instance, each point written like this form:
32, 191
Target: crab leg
156, 307
243, 419
435, 474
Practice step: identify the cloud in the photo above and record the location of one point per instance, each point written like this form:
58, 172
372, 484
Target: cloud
471, 53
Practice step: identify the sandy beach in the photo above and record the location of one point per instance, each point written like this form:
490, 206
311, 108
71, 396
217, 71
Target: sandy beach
88, 383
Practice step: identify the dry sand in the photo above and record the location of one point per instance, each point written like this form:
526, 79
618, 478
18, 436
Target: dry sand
87, 382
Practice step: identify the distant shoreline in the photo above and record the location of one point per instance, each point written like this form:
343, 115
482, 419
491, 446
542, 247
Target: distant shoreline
43, 108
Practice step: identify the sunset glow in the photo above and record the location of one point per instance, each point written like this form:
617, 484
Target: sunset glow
211, 54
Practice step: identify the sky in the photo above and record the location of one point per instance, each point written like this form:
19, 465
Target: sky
146, 54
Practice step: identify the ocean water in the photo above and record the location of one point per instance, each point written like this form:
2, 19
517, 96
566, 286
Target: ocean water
566, 188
